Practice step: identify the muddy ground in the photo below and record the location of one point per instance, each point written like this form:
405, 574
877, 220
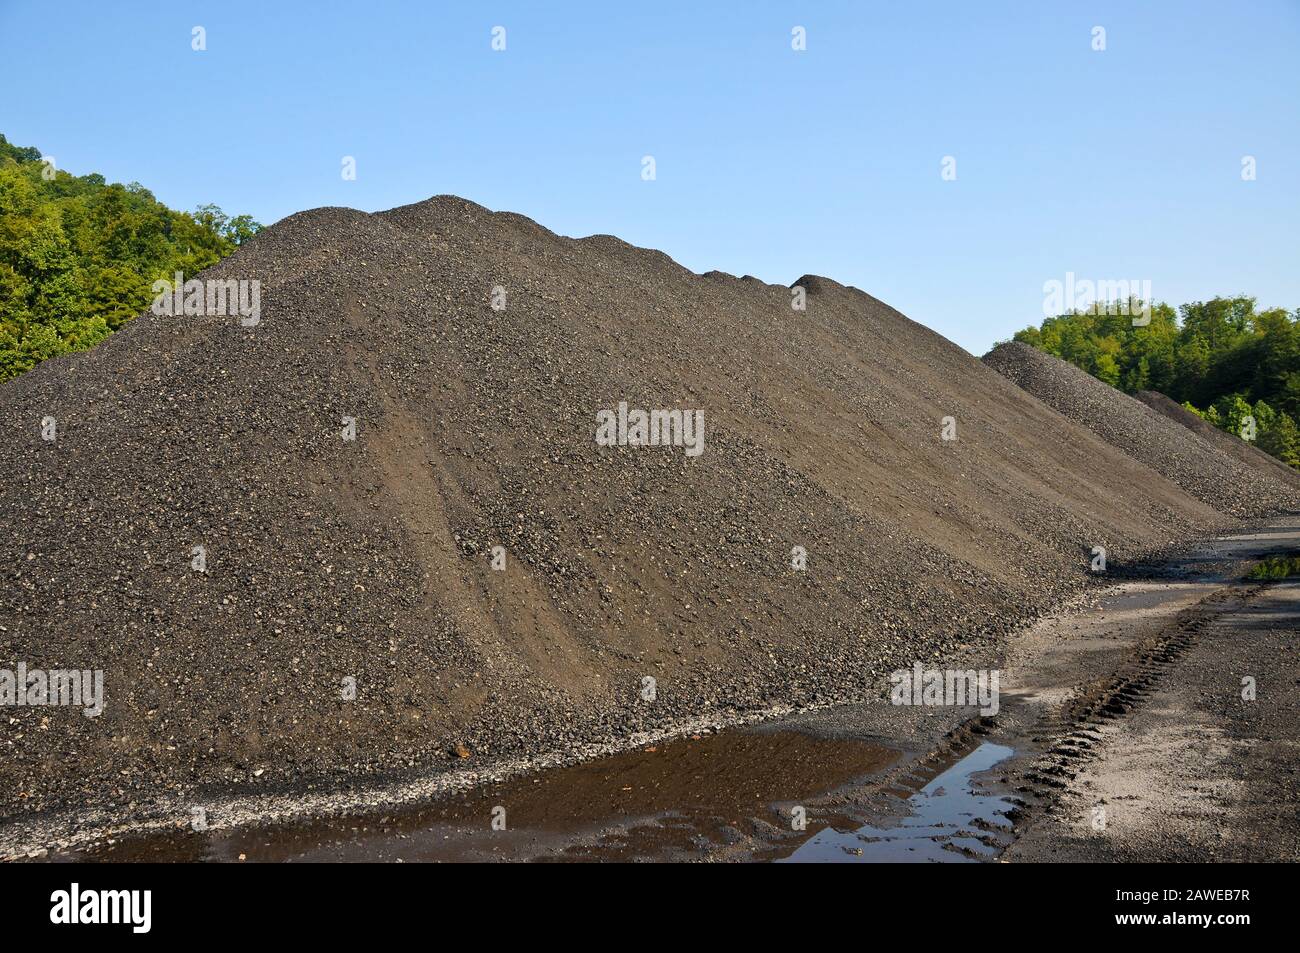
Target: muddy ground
1195, 772
1122, 735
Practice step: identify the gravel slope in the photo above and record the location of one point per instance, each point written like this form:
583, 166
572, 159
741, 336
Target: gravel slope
370, 559
1233, 446
1187, 459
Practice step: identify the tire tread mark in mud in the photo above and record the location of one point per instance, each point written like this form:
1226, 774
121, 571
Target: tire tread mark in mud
1073, 736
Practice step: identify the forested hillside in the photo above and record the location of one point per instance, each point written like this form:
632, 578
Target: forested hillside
1222, 359
78, 255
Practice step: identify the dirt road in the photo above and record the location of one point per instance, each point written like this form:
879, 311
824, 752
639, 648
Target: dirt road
1194, 771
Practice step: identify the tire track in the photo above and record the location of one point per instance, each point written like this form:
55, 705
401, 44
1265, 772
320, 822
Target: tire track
1071, 738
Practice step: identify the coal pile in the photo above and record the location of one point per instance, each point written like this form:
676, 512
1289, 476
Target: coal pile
1183, 457
1234, 446
347, 619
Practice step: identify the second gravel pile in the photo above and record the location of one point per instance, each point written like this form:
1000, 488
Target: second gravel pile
1201, 468
1233, 446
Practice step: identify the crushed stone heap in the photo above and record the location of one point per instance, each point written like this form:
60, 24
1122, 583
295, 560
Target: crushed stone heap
1234, 446
1185, 458
472, 353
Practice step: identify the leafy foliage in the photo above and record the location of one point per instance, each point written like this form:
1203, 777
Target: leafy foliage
78, 255
1276, 567
1222, 354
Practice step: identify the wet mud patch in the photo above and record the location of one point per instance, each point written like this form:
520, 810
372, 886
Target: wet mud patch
664, 802
950, 819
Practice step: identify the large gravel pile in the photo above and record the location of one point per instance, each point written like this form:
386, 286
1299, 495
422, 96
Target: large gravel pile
329, 560
1234, 446
1170, 449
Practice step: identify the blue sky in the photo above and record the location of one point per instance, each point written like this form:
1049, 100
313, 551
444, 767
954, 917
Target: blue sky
1124, 163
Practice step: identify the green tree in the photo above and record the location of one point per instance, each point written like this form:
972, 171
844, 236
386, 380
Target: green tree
1282, 440
1232, 413
78, 255
1223, 354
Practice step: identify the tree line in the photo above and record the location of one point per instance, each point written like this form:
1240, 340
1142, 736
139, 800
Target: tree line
78, 255
1224, 359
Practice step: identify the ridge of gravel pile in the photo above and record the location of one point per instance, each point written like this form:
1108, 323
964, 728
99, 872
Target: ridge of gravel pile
1234, 446
1185, 458
371, 560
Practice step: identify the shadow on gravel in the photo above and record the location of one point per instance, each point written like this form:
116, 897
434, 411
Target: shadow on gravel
1223, 559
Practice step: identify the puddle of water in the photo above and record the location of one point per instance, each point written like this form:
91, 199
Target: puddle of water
660, 803
949, 821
